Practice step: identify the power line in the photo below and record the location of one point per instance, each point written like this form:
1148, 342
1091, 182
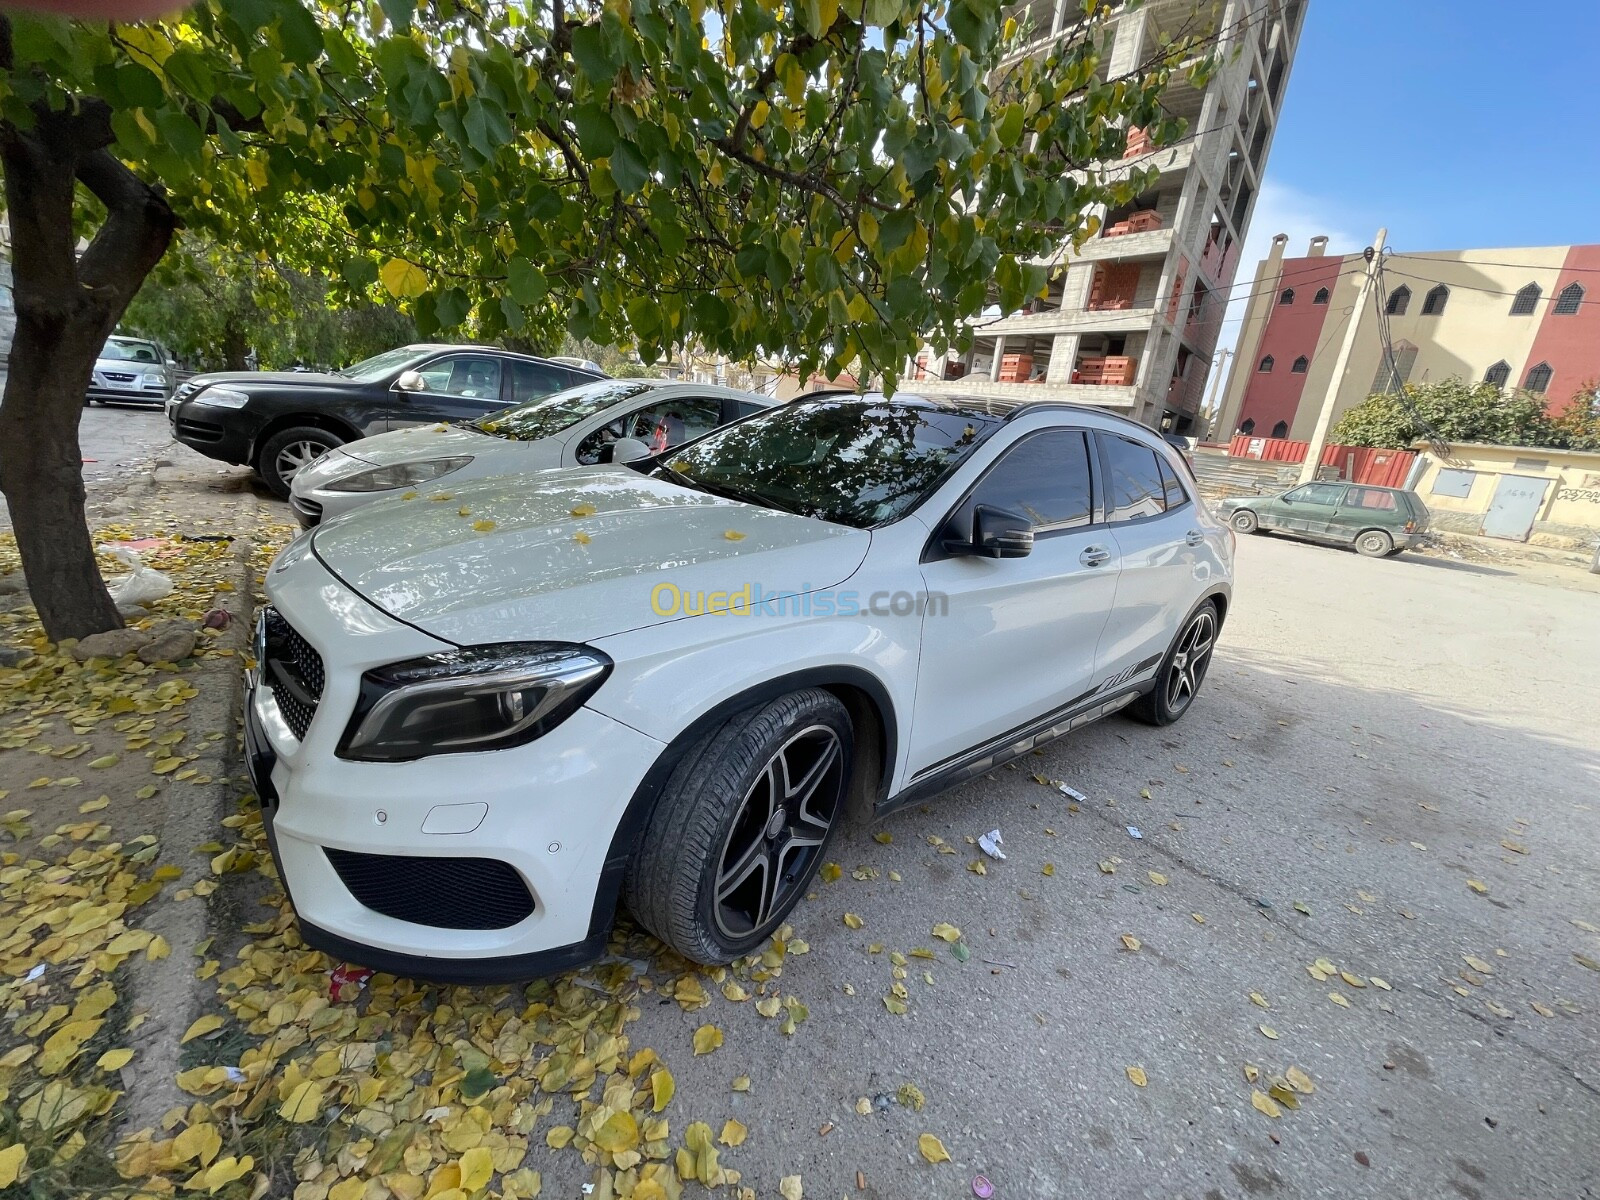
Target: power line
1487, 262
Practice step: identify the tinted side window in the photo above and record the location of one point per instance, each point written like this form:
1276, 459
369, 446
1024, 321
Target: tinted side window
1044, 477
529, 381
1177, 497
471, 375
1134, 485
660, 426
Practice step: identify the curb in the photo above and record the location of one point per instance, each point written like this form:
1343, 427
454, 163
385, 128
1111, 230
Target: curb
168, 989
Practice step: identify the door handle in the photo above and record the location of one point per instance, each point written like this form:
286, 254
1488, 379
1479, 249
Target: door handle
1194, 537
1094, 556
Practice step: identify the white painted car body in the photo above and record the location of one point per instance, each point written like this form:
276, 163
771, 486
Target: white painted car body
1026, 649
314, 496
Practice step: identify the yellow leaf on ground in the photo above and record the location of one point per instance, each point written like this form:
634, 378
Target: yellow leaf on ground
1354, 981
1379, 983
224, 1171
883, 837
1339, 999
1157, 878
789, 1188
114, 1060
741, 1083
733, 535
202, 1026
64, 1045
1137, 1077
733, 1133
484, 525
1199, 918
932, 1149
1264, 1103
853, 921
977, 868
12, 1159
583, 510
1268, 1031
477, 1166
199, 1142
662, 1086
348, 1189
1048, 869
157, 949
303, 1104
1259, 1000
1299, 1081
558, 1137
1477, 964
1129, 942
831, 872
1478, 886
769, 1007
946, 932
706, 1039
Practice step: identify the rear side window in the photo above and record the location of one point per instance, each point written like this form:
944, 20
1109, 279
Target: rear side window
1044, 477
1135, 486
529, 381
1371, 498
1175, 494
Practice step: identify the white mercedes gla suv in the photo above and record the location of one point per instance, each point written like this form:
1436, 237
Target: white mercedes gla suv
482, 717
580, 426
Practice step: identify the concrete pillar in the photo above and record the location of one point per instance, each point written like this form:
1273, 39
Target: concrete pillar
1063, 356
994, 365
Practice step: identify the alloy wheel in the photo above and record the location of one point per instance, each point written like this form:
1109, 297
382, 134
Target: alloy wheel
780, 829
1189, 661
296, 455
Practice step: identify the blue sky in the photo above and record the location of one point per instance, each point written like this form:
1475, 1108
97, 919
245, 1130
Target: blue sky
1456, 123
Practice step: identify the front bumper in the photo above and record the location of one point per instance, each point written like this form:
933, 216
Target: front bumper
547, 811
226, 434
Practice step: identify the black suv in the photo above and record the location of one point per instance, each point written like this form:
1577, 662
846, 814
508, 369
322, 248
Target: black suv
278, 421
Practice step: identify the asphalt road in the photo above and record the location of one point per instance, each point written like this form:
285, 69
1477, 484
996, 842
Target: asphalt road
118, 442
1393, 766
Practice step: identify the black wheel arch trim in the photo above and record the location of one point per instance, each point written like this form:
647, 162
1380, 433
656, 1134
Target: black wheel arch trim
326, 422
643, 802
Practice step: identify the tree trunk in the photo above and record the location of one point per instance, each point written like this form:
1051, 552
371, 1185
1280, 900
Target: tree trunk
235, 345
66, 307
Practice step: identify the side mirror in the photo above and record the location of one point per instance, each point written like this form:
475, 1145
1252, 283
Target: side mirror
411, 381
996, 533
626, 450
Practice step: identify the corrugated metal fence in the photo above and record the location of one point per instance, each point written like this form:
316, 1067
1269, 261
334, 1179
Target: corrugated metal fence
1359, 464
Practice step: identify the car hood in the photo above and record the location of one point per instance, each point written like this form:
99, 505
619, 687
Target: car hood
539, 572
125, 364
269, 378
422, 442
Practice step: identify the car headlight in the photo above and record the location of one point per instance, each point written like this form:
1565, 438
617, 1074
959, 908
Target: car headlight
221, 397
399, 475
477, 698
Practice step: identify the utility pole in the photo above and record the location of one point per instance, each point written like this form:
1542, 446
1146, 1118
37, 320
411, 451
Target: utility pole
1210, 409
1319, 437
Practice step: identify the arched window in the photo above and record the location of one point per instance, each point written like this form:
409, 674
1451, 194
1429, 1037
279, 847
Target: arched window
1498, 374
1300, 365
1399, 301
1433, 303
1247, 426
1287, 296
1527, 300
1568, 302
1321, 297
1267, 364
1539, 378
1281, 429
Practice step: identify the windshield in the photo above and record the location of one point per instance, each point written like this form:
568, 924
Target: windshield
125, 351
370, 369
551, 414
860, 462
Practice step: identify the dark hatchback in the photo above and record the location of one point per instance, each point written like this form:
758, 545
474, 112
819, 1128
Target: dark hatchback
278, 421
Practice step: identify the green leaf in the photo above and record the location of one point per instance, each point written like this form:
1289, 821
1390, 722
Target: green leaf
526, 282
477, 1083
628, 168
1009, 128
597, 136
298, 33
399, 12
593, 54
181, 135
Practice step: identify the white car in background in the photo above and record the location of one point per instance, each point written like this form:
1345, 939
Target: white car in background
474, 726
132, 370
580, 426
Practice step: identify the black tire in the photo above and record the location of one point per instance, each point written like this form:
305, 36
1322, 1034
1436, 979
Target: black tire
1374, 543
717, 870
1182, 670
279, 454
1244, 521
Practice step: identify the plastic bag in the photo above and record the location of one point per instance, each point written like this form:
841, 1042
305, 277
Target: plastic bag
143, 586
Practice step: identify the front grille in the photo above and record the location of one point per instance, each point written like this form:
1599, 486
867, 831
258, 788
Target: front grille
444, 893
185, 390
120, 376
292, 668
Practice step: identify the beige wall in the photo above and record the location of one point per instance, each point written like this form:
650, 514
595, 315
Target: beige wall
1571, 503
